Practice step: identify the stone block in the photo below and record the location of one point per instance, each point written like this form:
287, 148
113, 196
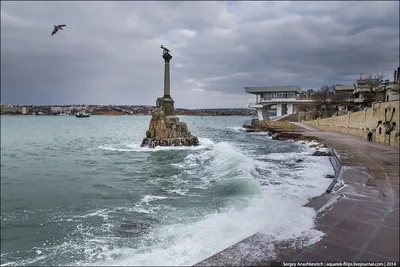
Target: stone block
168, 104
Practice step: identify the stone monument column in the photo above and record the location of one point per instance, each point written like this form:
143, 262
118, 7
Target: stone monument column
167, 89
166, 101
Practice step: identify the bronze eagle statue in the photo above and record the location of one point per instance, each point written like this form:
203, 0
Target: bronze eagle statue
166, 50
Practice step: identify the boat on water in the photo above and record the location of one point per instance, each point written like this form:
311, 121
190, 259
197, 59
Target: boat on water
82, 114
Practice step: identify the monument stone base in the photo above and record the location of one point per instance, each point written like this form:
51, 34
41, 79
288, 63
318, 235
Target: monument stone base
167, 103
165, 129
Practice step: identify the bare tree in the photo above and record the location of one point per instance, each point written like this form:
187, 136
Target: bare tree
307, 94
374, 85
324, 97
310, 93
306, 107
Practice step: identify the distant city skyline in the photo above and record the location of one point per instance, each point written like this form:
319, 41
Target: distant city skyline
218, 48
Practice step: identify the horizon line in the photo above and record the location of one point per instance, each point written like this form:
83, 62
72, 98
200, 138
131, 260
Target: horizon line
45, 105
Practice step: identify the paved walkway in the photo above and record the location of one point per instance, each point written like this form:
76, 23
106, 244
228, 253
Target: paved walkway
362, 224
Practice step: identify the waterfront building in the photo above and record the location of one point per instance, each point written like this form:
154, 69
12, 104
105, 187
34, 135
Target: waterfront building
285, 99
358, 91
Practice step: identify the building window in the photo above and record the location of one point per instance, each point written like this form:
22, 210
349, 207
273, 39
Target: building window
267, 96
274, 95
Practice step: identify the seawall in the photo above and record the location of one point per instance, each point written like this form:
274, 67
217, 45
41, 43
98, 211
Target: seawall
358, 123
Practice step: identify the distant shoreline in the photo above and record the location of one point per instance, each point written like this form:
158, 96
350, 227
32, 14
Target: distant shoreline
119, 111
117, 115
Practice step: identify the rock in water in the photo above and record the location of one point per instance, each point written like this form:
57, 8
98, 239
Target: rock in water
167, 131
321, 153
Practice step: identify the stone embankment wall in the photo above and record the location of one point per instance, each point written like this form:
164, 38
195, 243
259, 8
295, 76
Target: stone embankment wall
358, 123
290, 117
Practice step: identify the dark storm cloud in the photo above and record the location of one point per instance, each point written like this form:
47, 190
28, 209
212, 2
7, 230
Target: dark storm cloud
110, 51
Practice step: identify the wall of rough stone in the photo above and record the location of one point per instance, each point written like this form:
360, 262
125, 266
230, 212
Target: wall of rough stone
167, 130
356, 123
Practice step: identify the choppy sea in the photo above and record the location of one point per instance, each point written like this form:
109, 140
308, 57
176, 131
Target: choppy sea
81, 191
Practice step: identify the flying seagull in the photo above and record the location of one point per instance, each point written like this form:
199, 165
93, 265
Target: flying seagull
165, 49
58, 27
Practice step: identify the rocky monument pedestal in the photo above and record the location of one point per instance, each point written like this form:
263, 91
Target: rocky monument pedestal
165, 129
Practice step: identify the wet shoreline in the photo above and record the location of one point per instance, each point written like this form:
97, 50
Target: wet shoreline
343, 207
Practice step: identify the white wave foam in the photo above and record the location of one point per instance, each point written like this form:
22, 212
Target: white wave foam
285, 156
112, 148
145, 207
236, 128
224, 156
303, 180
25, 262
181, 192
150, 198
141, 210
98, 213
261, 133
187, 244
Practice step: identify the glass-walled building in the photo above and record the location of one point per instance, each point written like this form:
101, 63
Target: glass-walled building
278, 95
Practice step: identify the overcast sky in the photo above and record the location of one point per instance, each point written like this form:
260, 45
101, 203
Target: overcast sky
109, 52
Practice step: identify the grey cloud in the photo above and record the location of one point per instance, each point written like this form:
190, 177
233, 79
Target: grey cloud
357, 29
310, 46
110, 51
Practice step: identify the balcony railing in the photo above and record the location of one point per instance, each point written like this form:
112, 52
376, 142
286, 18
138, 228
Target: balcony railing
284, 99
278, 99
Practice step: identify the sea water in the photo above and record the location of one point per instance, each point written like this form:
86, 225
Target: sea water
81, 191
